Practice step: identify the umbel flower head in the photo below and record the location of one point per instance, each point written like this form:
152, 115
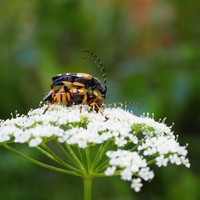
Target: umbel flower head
118, 143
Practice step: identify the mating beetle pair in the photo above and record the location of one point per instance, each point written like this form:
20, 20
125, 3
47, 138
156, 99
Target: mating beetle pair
80, 88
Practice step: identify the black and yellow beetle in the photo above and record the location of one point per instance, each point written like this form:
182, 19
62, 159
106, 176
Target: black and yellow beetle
81, 80
80, 89
74, 96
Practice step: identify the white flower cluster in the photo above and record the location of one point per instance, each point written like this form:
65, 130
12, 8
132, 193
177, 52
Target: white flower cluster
137, 139
130, 163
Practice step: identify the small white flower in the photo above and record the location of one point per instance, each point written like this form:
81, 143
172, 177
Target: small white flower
133, 138
185, 161
120, 141
110, 171
174, 158
136, 184
146, 174
126, 174
35, 142
161, 161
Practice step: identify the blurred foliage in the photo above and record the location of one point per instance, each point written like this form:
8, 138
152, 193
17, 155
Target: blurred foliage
151, 53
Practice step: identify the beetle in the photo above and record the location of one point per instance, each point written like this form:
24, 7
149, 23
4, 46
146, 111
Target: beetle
80, 88
74, 96
85, 80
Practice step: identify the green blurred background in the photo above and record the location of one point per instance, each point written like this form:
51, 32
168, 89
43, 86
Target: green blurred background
151, 53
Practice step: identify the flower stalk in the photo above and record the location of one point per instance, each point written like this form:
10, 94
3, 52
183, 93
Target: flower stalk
87, 188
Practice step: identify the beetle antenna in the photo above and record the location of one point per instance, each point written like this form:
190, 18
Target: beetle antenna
97, 61
121, 103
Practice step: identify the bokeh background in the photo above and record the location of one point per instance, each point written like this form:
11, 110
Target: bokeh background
151, 53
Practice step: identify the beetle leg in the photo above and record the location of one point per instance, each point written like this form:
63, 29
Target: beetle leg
56, 98
83, 92
99, 109
63, 95
84, 99
47, 108
67, 95
48, 96
92, 104
53, 92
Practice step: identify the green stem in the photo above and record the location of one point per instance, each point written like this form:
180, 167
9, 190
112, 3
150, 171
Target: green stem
102, 166
136, 146
102, 175
101, 153
57, 169
87, 188
81, 156
57, 159
70, 156
88, 159
74, 157
150, 162
49, 155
